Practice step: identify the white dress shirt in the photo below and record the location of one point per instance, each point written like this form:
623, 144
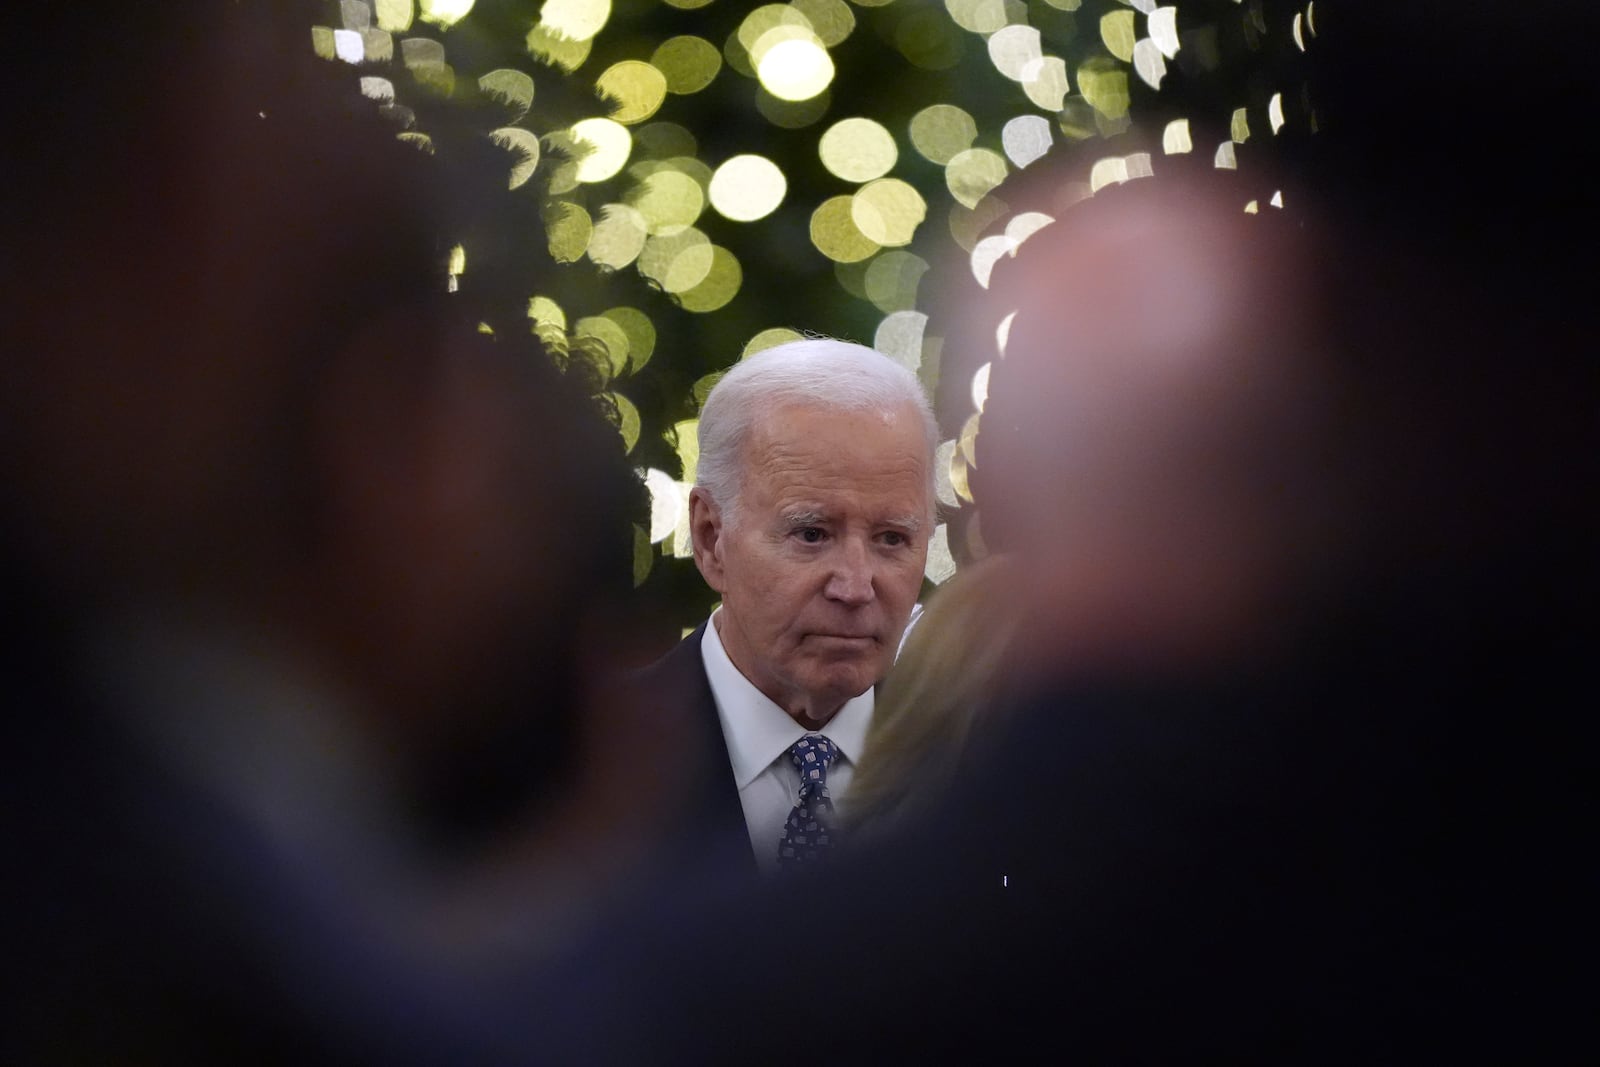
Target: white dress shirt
759, 734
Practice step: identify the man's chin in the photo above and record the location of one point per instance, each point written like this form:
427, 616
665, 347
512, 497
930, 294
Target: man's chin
843, 682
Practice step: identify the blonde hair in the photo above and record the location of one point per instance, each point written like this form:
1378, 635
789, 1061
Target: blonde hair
940, 686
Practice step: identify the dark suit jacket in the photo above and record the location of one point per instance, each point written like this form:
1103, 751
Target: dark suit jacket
1359, 851
714, 819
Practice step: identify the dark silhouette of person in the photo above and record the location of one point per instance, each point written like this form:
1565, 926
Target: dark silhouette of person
309, 571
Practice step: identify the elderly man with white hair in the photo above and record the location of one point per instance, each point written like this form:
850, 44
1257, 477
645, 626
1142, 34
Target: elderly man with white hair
811, 515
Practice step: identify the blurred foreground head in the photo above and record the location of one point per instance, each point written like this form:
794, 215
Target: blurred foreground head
234, 389
1153, 436
1205, 419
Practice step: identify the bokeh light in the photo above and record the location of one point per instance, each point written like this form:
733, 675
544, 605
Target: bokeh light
794, 68
858, 149
667, 198
888, 211
657, 149
618, 236
688, 64
524, 145
970, 175
512, 88
577, 20
747, 187
443, 12
942, 131
637, 88
835, 233
607, 143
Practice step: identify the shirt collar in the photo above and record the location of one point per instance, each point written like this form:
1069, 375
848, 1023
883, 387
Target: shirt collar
757, 730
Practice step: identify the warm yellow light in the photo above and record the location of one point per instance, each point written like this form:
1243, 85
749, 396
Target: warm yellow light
607, 144
512, 88
668, 199
677, 262
888, 211
689, 64
1013, 48
610, 336
393, 15
769, 338
942, 131
1118, 33
720, 284
542, 311
858, 150
636, 88
836, 234
1175, 138
1105, 86
567, 228
628, 422
524, 147
578, 20
747, 187
618, 237
978, 16
379, 89
832, 20
1045, 82
444, 12
795, 69
641, 333
1112, 170
972, 174
892, 279
558, 49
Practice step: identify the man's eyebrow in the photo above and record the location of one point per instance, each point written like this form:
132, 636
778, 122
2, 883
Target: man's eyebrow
796, 519
909, 523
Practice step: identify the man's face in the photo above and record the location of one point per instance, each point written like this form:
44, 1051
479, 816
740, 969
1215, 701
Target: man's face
820, 572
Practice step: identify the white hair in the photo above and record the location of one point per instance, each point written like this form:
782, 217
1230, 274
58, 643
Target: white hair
815, 372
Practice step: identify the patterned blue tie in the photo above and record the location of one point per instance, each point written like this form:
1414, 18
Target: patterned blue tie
807, 836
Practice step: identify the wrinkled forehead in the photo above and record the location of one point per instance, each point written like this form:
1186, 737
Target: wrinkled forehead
867, 435
803, 456
835, 422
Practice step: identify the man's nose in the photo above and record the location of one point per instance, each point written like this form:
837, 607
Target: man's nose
851, 579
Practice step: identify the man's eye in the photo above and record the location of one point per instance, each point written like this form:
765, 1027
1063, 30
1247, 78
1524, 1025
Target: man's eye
811, 535
894, 538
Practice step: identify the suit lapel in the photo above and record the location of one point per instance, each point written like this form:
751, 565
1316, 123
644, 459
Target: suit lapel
680, 677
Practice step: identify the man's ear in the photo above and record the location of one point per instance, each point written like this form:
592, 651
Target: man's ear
705, 533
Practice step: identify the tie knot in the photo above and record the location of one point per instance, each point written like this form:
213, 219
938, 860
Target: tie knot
812, 755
